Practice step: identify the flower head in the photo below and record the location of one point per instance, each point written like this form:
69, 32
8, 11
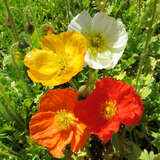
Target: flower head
61, 58
106, 38
55, 125
111, 103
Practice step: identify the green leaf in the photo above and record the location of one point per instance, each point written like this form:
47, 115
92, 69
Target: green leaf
147, 156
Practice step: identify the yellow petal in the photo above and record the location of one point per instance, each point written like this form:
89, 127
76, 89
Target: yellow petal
52, 42
41, 61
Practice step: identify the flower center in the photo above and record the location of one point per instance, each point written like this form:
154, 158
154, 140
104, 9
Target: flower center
63, 66
109, 109
96, 43
63, 120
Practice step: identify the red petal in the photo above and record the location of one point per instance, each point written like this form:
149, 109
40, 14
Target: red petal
105, 133
129, 105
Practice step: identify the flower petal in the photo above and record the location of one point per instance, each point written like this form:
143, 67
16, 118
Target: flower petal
52, 42
112, 29
129, 105
58, 99
42, 61
105, 134
42, 129
65, 139
101, 61
81, 135
81, 23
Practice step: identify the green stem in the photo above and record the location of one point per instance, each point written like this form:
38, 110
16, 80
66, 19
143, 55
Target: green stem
34, 19
13, 26
90, 84
145, 50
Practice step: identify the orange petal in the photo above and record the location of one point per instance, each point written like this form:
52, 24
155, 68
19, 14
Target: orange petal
65, 138
58, 99
43, 130
81, 135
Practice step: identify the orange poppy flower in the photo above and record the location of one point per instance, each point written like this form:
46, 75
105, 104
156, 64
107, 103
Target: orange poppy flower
55, 125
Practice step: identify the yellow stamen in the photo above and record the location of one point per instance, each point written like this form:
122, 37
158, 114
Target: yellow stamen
63, 119
109, 109
96, 43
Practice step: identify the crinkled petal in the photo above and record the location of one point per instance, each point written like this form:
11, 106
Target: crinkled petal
42, 61
101, 22
58, 99
52, 42
65, 138
129, 105
81, 23
81, 135
57, 63
105, 133
43, 130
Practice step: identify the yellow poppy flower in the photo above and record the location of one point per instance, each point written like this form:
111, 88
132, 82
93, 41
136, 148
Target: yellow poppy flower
61, 58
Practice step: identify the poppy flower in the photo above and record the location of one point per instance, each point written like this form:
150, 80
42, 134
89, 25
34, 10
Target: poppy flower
106, 38
48, 30
61, 58
55, 124
111, 103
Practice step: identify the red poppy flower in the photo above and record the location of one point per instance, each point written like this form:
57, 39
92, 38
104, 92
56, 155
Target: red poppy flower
55, 125
111, 103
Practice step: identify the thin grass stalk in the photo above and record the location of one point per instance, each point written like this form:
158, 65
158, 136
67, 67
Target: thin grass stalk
7, 154
139, 9
13, 25
68, 10
7, 148
145, 50
18, 71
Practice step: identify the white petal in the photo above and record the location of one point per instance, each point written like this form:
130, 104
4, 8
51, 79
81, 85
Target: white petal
116, 35
101, 61
81, 23
111, 29
100, 23
116, 55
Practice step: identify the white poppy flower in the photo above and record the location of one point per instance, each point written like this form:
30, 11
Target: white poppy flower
106, 38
